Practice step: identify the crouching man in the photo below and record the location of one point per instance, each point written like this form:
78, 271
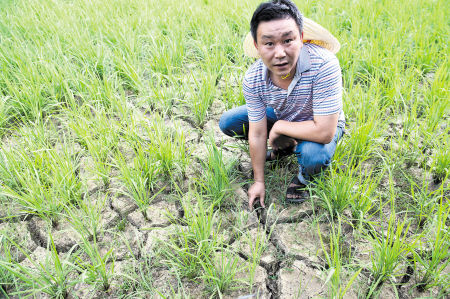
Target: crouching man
293, 96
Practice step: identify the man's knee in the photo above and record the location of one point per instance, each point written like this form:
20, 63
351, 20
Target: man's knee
225, 123
232, 124
313, 157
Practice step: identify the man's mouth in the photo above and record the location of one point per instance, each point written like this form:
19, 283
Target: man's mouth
281, 64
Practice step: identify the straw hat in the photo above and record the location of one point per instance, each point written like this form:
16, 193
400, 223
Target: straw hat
312, 33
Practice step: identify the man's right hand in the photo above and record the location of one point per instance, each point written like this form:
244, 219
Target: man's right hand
257, 190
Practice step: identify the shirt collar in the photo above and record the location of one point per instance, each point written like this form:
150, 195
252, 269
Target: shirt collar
303, 64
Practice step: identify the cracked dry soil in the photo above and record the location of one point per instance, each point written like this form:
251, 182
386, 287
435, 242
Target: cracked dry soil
291, 266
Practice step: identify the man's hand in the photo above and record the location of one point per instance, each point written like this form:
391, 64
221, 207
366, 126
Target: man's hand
257, 190
278, 141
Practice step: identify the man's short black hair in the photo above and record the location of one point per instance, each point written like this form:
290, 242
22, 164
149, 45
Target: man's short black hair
275, 10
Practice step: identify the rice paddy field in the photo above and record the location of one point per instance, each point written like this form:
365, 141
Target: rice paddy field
116, 182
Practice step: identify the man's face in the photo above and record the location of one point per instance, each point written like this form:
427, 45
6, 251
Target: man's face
279, 43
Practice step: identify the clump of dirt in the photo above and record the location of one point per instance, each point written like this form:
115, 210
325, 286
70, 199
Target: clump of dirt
63, 236
20, 234
300, 281
158, 215
300, 240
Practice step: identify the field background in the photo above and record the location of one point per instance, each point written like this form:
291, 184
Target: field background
115, 181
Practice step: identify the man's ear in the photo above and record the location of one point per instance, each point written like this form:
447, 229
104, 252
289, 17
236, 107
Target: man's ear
256, 46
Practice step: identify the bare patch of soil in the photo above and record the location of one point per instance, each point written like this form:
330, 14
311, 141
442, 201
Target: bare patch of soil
300, 281
300, 240
19, 233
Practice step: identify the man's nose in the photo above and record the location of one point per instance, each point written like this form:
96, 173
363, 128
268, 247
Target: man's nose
279, 51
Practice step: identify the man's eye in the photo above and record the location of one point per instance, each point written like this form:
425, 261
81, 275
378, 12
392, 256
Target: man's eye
269, 44
288, 41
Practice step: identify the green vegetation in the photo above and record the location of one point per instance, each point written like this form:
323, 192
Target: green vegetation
112, 165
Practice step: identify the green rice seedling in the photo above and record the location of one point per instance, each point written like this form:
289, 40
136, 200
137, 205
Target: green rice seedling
5, 114
163, 96
335, 258
423, 200
99, 135
362, 143
193, 246
231, 94
96, 268
219, 273
217, 176
201, 97
362, 200
336, 191
167, 51
435, 258
166, 145
140, 178
389, 247
138, 280
441, 162
86, 216
50, 277
44, 180
7, 279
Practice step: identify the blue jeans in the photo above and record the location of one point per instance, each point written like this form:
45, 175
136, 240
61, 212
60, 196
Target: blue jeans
312, 157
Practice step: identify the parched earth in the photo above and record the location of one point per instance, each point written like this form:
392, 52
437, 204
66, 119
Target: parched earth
291, 265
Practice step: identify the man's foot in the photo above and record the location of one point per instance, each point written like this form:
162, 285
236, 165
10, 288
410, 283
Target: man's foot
296, 191
273, 155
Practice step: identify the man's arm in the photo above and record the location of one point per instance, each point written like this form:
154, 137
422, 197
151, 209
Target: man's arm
257, 139
321, 129
327, 104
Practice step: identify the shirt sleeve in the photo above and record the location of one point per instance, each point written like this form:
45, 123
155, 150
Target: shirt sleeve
327, 89
256, 108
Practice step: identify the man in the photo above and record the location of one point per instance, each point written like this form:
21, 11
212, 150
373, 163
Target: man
293, 97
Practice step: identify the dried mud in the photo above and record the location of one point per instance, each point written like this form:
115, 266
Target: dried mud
291, 264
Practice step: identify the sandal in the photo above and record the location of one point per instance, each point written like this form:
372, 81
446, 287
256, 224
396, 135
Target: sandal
296, 192
273, 155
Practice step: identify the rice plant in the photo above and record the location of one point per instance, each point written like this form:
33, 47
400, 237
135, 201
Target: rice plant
192, 249
217, 176
441, 161
99, 135
51, 277
7, 279
363, 203
96, 268
335, 258
140, 178
423, 200
167, 147
390, 247
41, 182
220, 272
435, 256
201, 96
337, 191
86, 216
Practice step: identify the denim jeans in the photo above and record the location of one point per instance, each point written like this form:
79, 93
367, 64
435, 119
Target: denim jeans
312, 157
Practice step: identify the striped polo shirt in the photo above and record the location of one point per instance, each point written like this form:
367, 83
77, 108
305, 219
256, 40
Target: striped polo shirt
315, 90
